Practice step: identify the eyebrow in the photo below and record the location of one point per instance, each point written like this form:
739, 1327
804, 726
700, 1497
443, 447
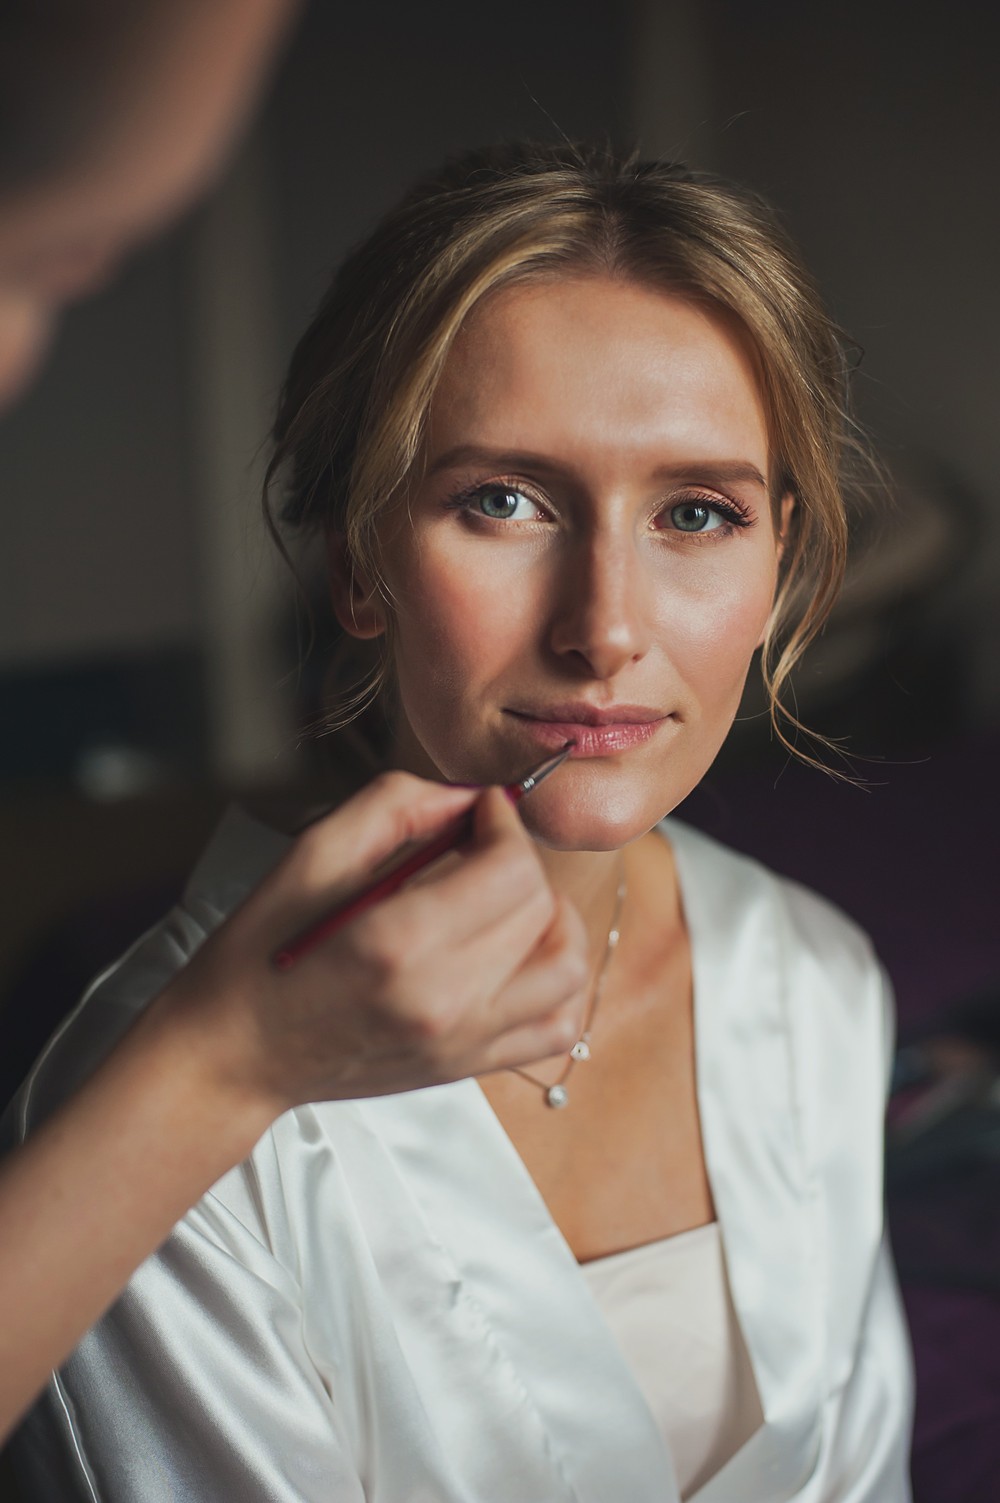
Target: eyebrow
499, 459
699, 471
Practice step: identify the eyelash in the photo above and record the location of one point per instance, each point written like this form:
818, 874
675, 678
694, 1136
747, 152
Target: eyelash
736, 514
465, 499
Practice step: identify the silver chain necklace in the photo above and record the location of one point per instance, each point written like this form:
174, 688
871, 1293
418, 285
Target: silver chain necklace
557, 1095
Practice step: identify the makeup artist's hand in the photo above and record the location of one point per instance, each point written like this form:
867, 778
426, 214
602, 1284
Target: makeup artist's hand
478, 967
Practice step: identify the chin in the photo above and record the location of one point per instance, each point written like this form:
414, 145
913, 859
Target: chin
561, 823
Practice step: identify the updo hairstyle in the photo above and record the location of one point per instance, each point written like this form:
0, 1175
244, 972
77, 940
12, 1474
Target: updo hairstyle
349, 434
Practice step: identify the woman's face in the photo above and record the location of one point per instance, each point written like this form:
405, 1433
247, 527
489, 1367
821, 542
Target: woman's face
590, 554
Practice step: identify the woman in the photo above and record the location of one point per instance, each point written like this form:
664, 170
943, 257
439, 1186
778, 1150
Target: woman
571, 428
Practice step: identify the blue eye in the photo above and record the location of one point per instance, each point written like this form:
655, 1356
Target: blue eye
699, 515
694, 516
498, 503
501, 503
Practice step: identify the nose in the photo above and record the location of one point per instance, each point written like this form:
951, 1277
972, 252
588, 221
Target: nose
601, 619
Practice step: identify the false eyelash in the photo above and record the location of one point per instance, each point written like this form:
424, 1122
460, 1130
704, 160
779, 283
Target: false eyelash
462, 500
736, 512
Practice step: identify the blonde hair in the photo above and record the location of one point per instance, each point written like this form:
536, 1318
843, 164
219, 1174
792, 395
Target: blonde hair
353, 412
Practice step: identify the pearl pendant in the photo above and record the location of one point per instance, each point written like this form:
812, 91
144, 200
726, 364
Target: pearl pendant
580, 1050
557, 1096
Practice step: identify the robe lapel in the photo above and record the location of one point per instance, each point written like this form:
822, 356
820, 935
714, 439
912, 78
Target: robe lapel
592, 1435
583, 1430
751, 1130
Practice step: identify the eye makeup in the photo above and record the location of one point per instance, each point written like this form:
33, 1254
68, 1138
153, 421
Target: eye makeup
468, 498
734, 513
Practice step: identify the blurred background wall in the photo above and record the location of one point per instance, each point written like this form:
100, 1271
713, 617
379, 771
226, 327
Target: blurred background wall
147, 665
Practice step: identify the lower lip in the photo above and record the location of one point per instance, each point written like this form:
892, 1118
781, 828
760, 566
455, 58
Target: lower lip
591, 740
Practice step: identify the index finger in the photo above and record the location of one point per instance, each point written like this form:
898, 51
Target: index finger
494, 874
342, 849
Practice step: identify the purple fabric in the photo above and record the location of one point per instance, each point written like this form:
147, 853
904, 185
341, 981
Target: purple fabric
956, 1342
912, 858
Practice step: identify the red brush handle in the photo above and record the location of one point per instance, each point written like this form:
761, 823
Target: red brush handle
451, 840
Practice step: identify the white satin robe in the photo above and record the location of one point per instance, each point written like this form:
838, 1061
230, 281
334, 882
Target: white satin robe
377, 1305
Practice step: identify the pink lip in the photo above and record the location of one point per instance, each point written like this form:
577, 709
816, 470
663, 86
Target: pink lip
597, 733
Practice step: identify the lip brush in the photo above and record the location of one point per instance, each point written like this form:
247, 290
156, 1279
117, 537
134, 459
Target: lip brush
450, 840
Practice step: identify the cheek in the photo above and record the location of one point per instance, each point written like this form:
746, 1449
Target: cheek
710, 633
456, 625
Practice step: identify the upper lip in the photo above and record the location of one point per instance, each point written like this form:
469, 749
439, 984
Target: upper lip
584, 714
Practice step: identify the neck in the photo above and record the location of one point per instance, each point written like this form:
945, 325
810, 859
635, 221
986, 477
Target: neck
590, 880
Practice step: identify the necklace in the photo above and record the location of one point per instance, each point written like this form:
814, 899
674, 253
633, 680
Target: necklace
557, 1095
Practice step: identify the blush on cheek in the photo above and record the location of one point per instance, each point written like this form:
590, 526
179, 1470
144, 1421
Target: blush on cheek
464, 619
712, 639
431, 606
441, 655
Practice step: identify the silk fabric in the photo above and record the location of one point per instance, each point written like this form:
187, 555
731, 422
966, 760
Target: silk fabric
376, 1305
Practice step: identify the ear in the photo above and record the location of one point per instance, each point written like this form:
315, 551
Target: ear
785, 521
357, 603
785, 514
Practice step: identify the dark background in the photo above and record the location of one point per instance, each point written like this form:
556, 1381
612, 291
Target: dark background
148, 666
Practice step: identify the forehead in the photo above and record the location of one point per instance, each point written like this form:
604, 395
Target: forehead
592, 363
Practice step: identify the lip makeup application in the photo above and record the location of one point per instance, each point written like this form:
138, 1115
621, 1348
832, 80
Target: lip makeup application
451, 840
